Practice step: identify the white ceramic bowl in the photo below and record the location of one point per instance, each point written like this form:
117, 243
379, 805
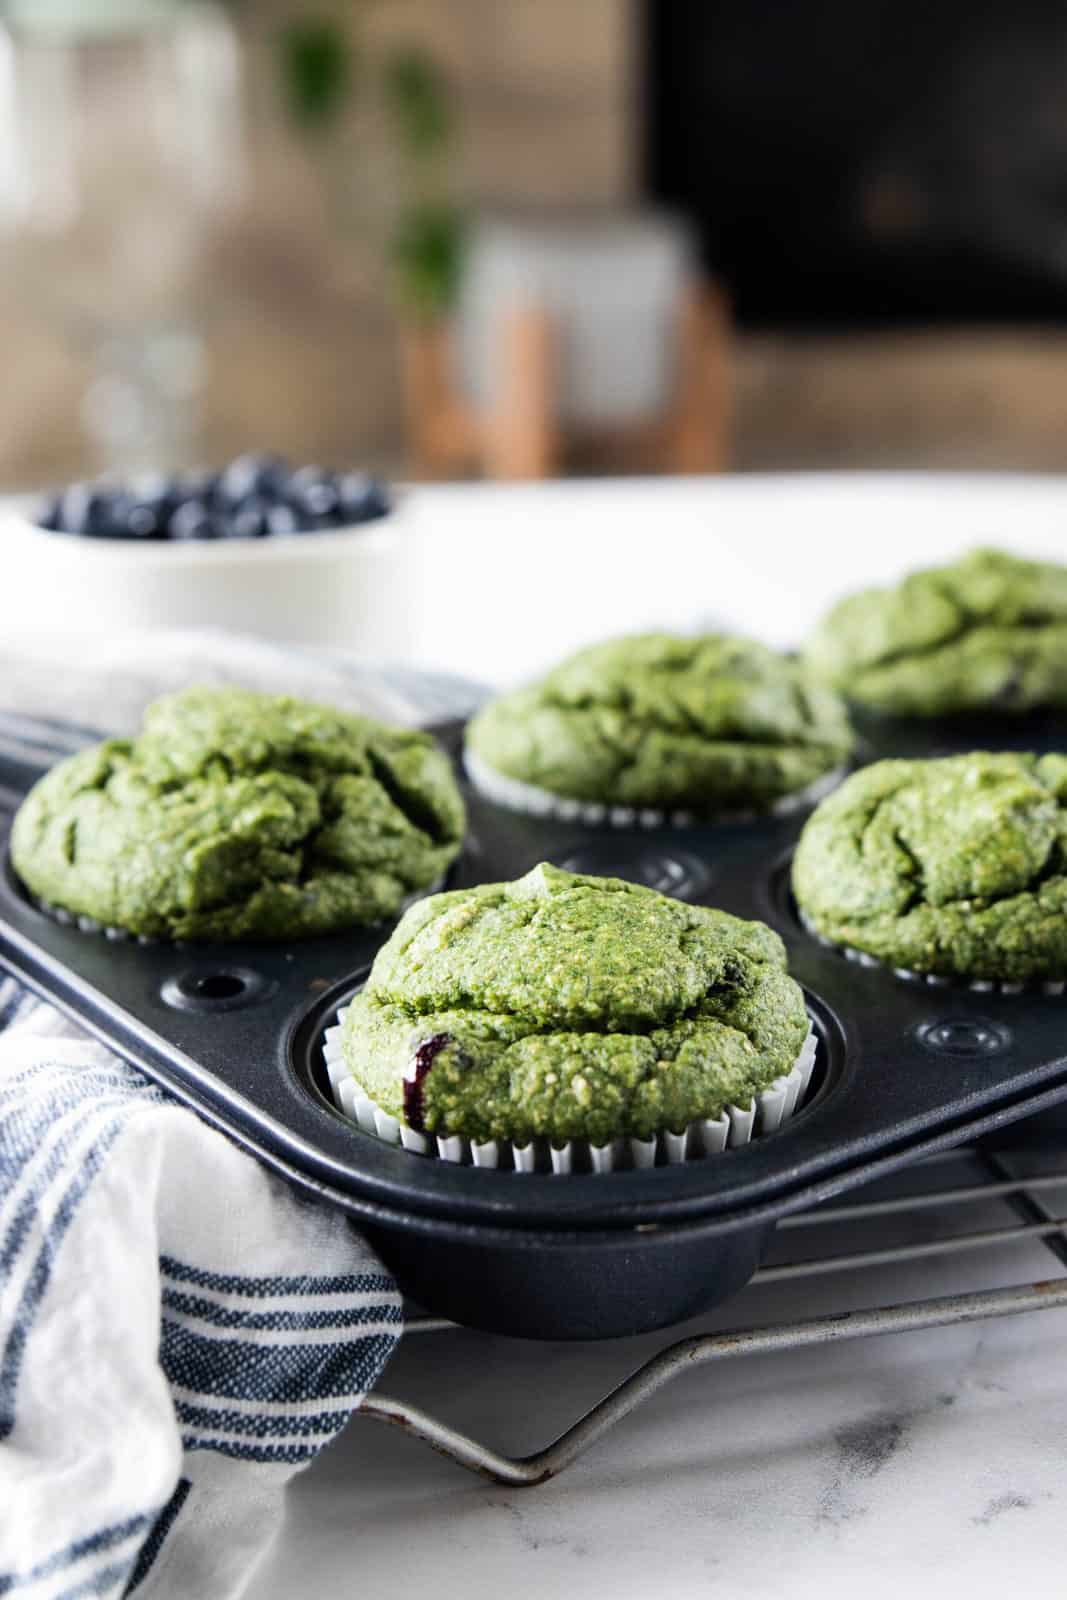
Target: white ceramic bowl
336, 588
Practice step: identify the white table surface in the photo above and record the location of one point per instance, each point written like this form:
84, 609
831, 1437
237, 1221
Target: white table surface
499, 580
931, 1462
934, 1462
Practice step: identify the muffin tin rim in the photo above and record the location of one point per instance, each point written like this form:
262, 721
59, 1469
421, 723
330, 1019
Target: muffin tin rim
532, 1232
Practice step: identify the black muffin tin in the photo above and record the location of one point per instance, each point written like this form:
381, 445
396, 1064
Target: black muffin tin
236, 1031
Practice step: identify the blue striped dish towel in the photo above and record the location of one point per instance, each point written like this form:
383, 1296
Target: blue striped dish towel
180, 1331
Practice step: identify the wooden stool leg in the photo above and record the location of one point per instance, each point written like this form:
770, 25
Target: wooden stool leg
521, 439
699, 434
440, 432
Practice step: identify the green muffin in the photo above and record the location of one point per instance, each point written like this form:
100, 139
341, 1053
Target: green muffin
988, 632
237, 815
695, 727
955, 867
571, 1007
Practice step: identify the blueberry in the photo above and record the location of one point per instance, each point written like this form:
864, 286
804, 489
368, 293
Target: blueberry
109, 515
322, 500
89, 511
362, 497
145, 520
150, 502
81, 509
264, 476
248, 521
313, 494
123, 515
281, 521
238, 481
194, 520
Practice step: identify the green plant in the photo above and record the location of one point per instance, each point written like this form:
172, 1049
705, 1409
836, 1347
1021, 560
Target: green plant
426, 253
320, 80
316, 59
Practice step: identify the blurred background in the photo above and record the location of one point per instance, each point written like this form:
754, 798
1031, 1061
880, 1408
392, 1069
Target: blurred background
463, 238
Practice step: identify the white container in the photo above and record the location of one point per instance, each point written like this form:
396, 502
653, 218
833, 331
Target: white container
345, 589
611, 285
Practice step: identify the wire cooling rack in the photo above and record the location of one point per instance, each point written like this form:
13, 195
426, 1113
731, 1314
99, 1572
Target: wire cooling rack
942, 1206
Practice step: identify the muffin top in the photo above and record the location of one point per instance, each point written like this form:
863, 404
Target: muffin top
988, 631
239, 815
571, 1007
955, 866
704, 724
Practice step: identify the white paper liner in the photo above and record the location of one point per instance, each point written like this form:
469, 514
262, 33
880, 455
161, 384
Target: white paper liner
737, 1126
71, 919
536, 802
934, 980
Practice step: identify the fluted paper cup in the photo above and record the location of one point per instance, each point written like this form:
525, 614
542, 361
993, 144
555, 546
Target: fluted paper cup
515, 795
738, 1125
935, 980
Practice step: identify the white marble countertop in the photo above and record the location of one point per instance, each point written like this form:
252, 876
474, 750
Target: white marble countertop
499, 580
929, 1461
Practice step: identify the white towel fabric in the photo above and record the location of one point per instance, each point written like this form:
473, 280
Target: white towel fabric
180, 1331
107, 683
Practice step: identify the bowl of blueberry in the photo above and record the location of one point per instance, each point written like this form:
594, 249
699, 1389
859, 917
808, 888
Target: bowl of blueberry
289, 552
254, 497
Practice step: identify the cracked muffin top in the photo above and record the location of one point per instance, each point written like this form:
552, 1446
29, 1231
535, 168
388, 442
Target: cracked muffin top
708, 724
571, 1007
955, 867
237, 815
988, 632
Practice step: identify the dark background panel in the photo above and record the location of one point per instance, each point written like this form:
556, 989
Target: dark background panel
866, 164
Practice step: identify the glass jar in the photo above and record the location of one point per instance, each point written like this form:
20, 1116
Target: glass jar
120, 152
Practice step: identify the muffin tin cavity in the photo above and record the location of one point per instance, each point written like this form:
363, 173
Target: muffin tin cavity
678, 873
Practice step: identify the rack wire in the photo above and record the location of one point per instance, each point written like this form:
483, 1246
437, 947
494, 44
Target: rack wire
943, 1202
